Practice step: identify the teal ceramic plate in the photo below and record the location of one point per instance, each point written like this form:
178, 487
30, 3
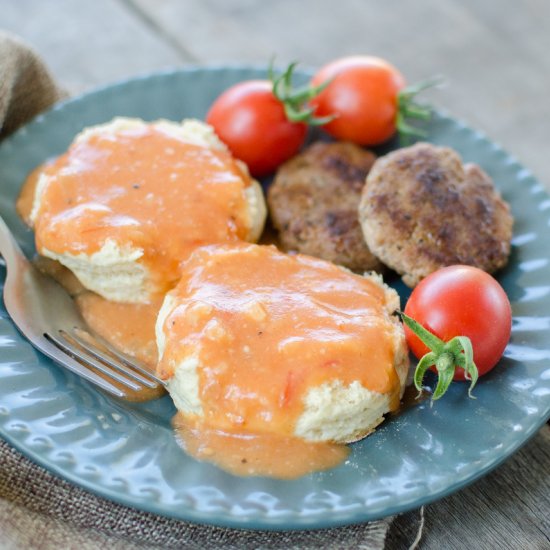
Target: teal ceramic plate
128, 453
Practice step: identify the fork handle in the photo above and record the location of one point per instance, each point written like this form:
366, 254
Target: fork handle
9, 247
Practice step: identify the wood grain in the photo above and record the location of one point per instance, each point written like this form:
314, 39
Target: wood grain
87, 44
508, 509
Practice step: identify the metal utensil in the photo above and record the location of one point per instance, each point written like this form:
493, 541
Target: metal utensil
47, 316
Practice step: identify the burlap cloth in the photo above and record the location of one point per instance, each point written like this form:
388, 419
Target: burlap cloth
41, 511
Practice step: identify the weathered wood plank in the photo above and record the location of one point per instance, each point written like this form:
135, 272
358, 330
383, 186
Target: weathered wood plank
86, 44
492, 53
508, 509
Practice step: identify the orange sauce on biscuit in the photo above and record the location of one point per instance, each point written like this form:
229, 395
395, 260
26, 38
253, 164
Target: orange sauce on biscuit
143, 188
266, 327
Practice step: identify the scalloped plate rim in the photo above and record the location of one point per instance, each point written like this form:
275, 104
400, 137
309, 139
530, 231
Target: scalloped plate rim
258, 521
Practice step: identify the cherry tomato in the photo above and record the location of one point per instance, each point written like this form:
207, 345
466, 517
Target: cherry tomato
462, 300
363, 97
251, 121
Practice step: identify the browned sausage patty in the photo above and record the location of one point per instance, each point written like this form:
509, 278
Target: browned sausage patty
314, 202
422, 209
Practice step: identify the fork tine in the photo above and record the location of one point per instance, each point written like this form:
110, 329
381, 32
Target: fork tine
134, 364
64, 344
125, 365
54, 352
30, 297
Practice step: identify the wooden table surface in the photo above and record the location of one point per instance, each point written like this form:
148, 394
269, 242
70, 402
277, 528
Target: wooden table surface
494, 56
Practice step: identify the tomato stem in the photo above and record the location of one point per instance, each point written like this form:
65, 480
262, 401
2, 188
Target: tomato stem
444, 356
408, 108
295, 100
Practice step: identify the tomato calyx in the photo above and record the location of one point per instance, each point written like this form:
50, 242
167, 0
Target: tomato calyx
295, 100
444, 356
408, 108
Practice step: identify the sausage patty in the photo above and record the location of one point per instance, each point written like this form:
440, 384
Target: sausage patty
314, 202
422, 209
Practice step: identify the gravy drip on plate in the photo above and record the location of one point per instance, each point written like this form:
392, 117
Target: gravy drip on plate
25, 199
130, 328
143, 188
249, 454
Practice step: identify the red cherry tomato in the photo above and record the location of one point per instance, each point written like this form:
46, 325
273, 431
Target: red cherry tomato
251, 121
462, 301
363, 96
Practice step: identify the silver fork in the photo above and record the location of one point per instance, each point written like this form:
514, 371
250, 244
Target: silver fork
47, 316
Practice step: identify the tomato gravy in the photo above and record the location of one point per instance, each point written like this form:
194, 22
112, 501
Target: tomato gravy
128, 327
143, 188
266, 327
253, 454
